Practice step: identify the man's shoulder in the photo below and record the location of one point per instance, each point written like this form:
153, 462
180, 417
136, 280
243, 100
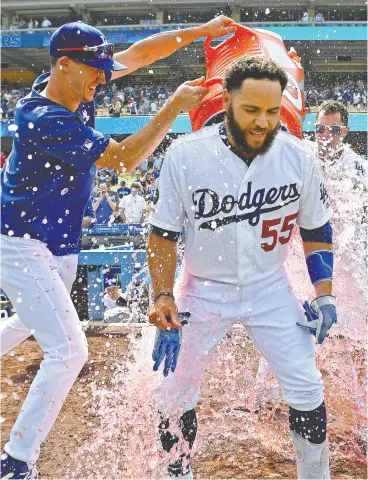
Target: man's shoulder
295, 146
195, 139
40, 110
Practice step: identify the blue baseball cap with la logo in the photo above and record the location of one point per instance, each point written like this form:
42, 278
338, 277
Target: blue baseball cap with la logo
86, 44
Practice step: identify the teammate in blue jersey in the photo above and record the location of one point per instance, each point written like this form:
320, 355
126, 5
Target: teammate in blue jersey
46, 183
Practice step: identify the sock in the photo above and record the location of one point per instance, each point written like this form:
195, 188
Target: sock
188, 427
310, 425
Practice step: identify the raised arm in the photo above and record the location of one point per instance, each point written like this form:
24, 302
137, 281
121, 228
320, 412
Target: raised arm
164, 44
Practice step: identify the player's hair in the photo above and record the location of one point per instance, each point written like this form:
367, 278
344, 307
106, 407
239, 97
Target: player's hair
253, 66
333, 106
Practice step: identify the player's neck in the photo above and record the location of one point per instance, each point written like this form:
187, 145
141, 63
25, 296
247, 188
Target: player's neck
56, 92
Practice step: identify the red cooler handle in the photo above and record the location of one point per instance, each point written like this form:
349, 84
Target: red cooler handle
240, 32
212, 81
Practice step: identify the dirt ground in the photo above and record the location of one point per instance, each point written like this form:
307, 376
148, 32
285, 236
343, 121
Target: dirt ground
230, 452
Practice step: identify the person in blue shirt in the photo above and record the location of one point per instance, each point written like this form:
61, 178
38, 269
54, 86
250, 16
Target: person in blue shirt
123, 190
104, 206
46, 183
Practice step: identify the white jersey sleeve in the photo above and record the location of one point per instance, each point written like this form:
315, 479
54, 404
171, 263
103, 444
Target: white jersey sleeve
315, 206
169, 212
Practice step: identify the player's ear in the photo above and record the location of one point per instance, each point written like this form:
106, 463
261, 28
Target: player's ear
64, 63
226, 98
345, 131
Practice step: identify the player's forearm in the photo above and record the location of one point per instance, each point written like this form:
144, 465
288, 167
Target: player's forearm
161, 45
162, 258
137, 147
323, 287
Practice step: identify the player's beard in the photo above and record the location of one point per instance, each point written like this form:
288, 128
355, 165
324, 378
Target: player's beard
239, 140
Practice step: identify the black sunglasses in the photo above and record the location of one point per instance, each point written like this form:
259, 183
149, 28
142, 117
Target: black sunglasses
334, 129
106, 50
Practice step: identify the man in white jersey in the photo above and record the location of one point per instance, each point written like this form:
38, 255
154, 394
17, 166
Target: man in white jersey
346, 175
337, 159
239, 188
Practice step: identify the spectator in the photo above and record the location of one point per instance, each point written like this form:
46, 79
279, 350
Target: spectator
46, 23
138, 177
356, 99
151, 189
123, 190
156, 172
116, 108
112, 193
133, 206
30, 26
153, 107
145, 106
95, 188
158, 163
113, 295
114, 177
144, 166
148, 177
104, 207
319, 18
305, 17
103, 174
132, 107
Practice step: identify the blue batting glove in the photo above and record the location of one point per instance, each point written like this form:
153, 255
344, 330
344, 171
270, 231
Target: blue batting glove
320, 316
167, 346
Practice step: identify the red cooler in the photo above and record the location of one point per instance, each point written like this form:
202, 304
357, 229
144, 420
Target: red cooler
252, 42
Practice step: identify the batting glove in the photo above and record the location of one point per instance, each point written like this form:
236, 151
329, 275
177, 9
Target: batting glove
167, 346
320, 316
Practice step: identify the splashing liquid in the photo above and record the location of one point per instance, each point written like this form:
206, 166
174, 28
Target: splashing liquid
126, 444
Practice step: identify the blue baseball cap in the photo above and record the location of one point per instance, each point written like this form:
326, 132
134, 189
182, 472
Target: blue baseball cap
86, 44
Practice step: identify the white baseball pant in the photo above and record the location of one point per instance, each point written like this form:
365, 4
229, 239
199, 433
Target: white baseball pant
38, 284
270, 318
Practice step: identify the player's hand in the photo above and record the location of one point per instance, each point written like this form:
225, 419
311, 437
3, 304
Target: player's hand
219, 26
189, 94
164, 314
167, 346
320, 316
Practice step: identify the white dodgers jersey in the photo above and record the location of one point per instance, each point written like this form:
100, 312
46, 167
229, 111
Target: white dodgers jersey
238, 219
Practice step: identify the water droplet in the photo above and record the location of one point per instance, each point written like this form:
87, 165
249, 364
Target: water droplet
35, 189
19, 300
13, 128
19, 435
10, 233
21, 358
60, 220
64, 191
178, 39
30, 157
30, 125
44, 221
267, 11
27, 236
47, 165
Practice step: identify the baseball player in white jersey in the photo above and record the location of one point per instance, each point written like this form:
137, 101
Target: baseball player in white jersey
239, 188
46, 183
346, 179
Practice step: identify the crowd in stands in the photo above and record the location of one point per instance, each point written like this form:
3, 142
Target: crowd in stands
352, 94
20, 23
118, 200
147, 99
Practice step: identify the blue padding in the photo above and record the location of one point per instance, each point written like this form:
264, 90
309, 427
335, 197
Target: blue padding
320, 265
321, 234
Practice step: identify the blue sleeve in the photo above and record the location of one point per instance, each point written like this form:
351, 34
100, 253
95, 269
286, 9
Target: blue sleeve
89, 212
70, 141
